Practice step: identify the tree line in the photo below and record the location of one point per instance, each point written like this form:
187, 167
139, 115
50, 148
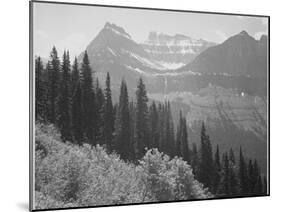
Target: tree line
71, 98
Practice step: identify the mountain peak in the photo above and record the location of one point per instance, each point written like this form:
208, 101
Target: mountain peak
263, 38
116, 29
244, 33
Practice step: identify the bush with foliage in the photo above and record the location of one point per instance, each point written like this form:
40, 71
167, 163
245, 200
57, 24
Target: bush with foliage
68, 175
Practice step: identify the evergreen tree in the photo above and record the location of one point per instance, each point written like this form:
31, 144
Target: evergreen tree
40, 91
231, 156
251, 176
122, 124
217, 158
259, 186
217, 171
108, 115
206, 170
182, 140
233, 183
153, 126
141, 119
225, 185
75, 76
243, 175
64, 119
195, 160
99, 113
76, 109
161, 127
132, 146
53, 69
88, 101
169, 132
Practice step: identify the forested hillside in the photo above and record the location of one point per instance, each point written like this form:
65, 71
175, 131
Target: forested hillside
72, 170
68, 175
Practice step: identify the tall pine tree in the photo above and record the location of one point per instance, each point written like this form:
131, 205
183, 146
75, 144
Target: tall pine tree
53, 69
40, 91
206, 169
243, 175
108, 115
76, 109
64, 119
122, 124
141, 119
88, 101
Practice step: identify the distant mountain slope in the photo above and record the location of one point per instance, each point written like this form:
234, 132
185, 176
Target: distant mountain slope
241, 54
174, 51
114, 51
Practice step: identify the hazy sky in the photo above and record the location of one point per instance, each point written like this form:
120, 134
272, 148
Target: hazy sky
73, 27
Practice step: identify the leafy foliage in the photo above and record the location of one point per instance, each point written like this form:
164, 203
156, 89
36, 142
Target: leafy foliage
69, 175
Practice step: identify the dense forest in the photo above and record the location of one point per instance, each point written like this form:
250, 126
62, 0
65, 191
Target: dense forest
70, 98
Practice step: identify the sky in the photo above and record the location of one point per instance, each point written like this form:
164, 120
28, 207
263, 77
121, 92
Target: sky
72, 27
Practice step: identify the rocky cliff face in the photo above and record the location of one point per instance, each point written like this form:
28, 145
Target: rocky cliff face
174, 51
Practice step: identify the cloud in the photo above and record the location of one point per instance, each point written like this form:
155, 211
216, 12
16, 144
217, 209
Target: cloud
222, 36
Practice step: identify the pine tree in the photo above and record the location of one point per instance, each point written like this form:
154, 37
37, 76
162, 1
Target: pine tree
255, 177
169, 132
206, 170
225, 185
88, 101
217, 171
243, 175
231, 156
259, 186
161, 127
99, 113
75, 76
195, 160
77, 122
108, 115
53, 69
122, 124
40, 91
64, 119
233, 183
132, 146
182, 140
153, 126
141, 119
251, 179
76, 109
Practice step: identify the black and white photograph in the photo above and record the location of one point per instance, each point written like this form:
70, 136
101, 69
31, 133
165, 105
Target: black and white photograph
139, 105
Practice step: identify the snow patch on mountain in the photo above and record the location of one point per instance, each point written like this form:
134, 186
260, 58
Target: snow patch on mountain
144, 61
170, 66
111, 51
136, 69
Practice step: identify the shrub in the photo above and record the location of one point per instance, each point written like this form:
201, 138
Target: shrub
68, 175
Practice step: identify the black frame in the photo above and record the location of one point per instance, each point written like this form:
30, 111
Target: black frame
31, 99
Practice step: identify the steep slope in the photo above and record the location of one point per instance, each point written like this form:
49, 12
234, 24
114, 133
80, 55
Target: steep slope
174, 51
241, 54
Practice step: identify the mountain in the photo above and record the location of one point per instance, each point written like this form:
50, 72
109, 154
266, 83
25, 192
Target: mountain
223, 84
114, 51
175, 51
239, 55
